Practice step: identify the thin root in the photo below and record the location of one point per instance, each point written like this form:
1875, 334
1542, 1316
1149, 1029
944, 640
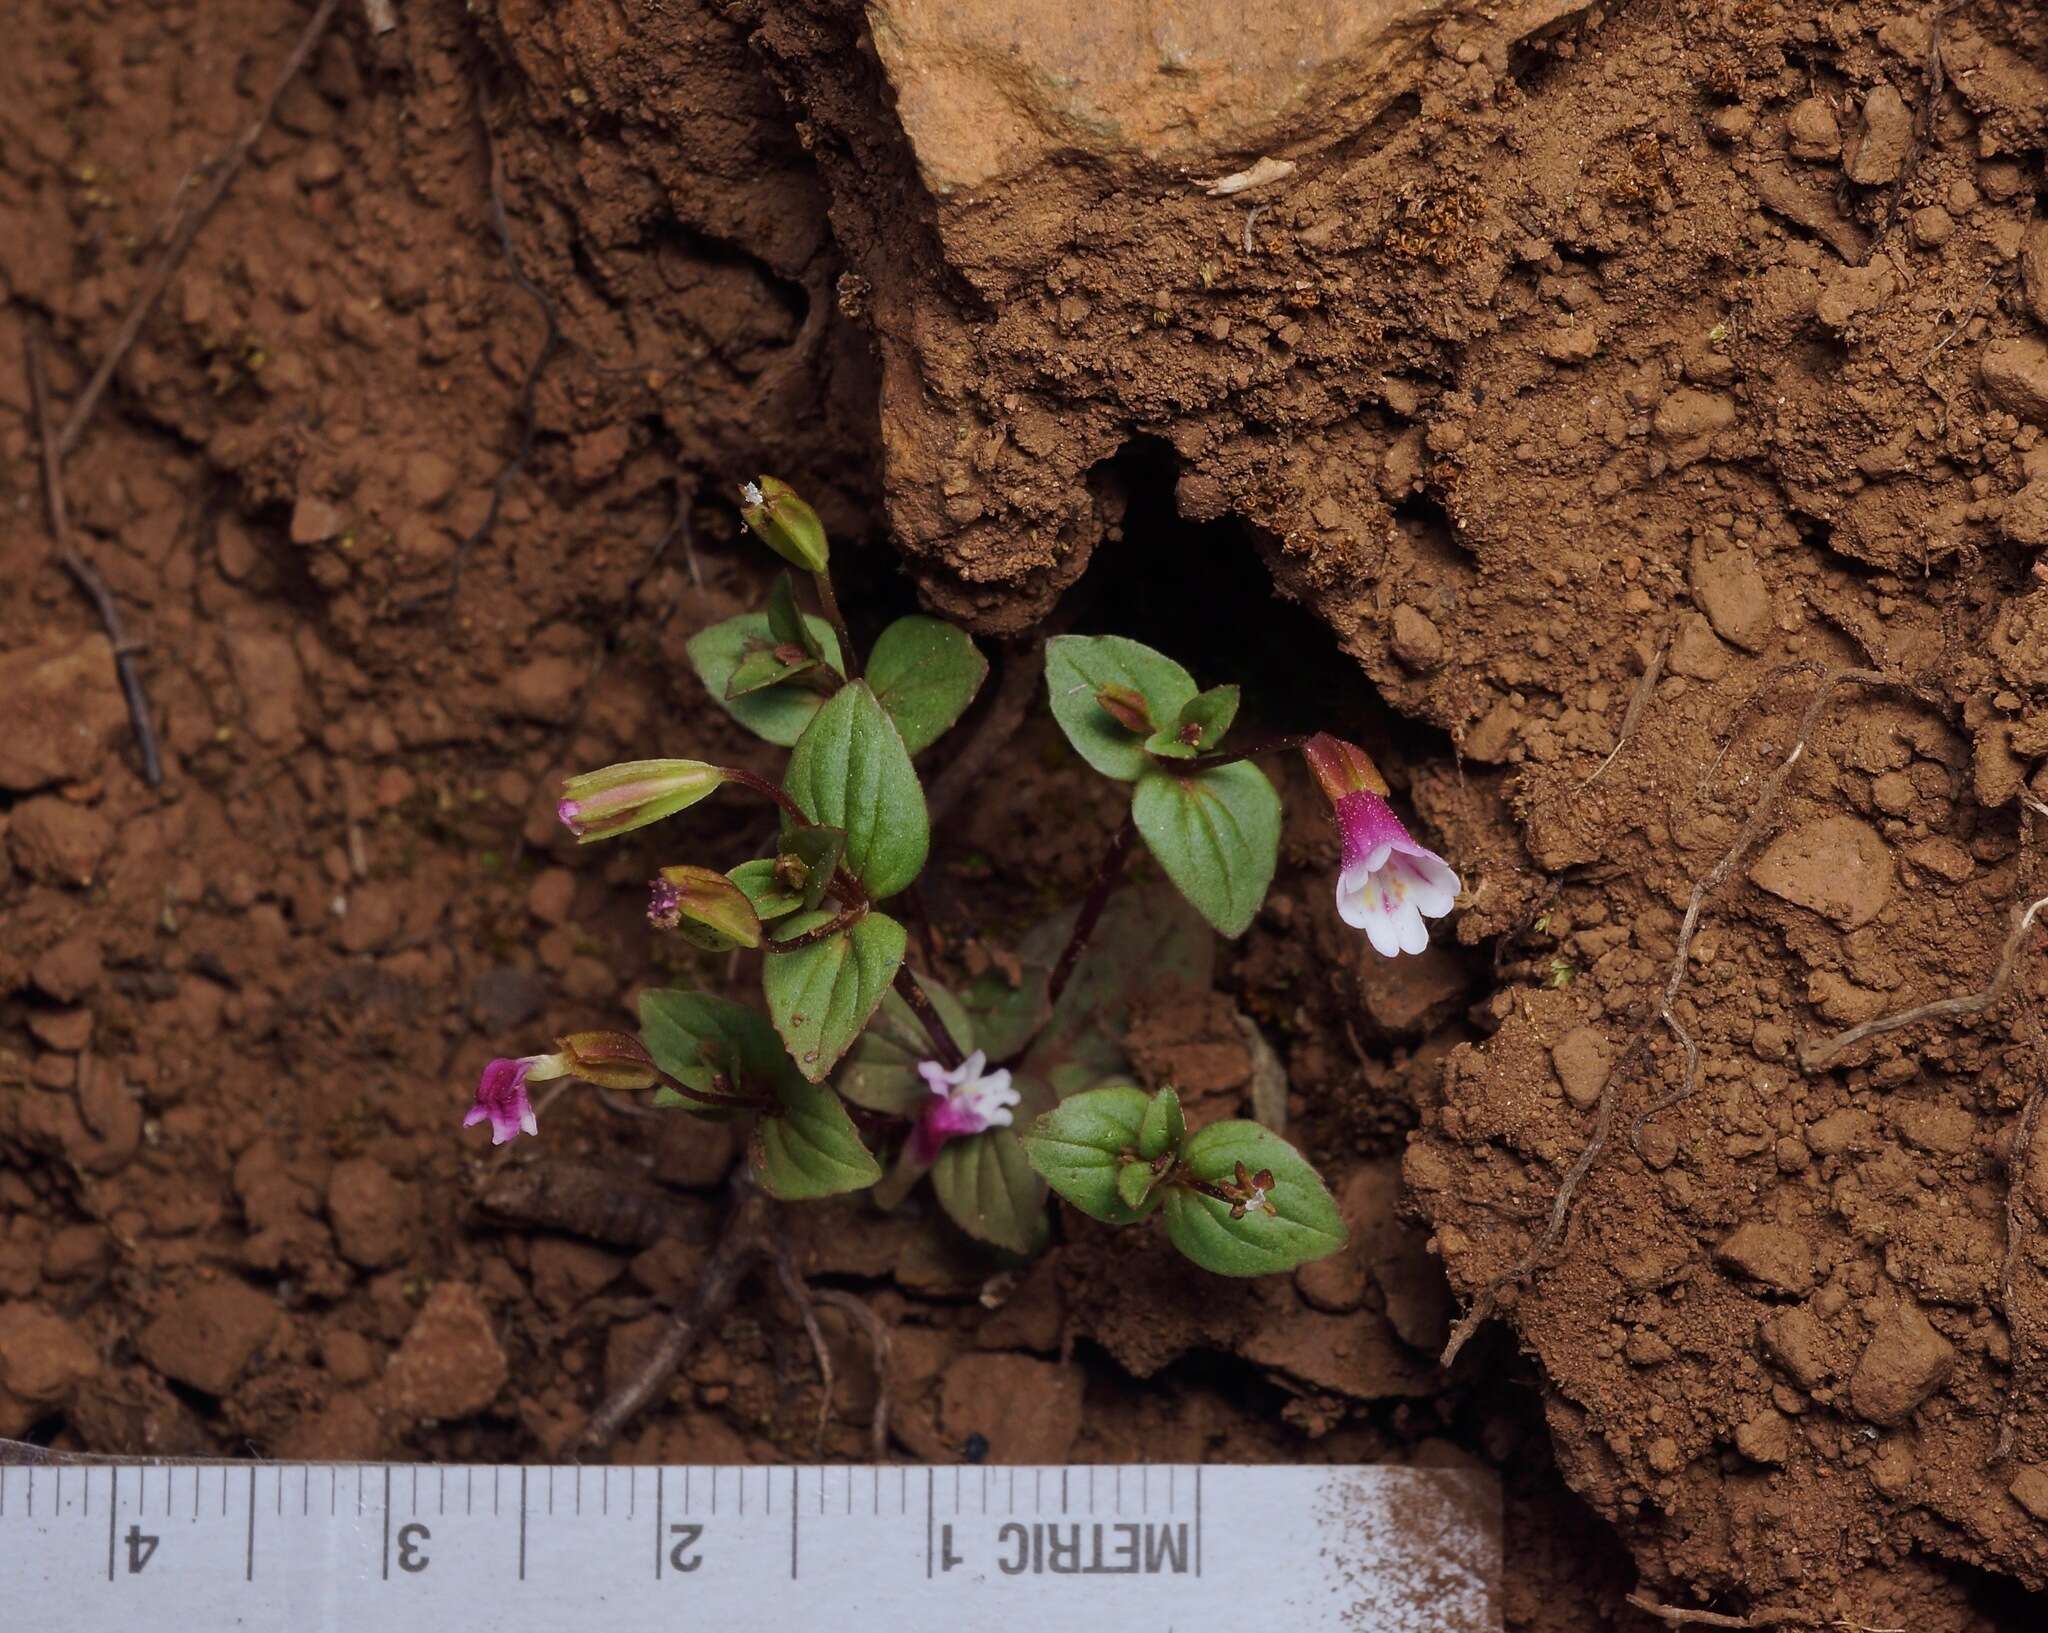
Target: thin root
1680, 1616
883, 1347
529, 388
741, 1246
1823, 1050
807, 1308
187, 229
1686, 1089
1761, 816
82, 571
1638, 701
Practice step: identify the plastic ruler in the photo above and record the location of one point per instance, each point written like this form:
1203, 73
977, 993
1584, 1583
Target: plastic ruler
96, 1546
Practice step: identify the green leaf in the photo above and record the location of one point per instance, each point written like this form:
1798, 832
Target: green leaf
1006, 1017
1078, 667
692, 1035
763, 667
1200, 727
812, 856
1305, 1226
787, 623
925, 673
821, 996
1147, 940
1080, 1144
1164, 1126
880, 1071
1134, 1182
989, 1189
781, 712
710, 910
1217, 834
850, 770
764, 890
808, 1147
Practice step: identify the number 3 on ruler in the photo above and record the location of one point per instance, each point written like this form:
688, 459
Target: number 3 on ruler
411, 1557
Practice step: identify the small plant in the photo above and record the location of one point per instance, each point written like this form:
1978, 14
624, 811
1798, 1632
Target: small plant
994, 1094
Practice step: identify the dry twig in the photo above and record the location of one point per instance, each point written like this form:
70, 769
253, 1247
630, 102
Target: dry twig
158, 279
82, 571
1761, 816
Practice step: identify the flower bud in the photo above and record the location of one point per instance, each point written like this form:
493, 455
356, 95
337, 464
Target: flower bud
619, 798
1342, 768
779, 519
611, 1060
705, 907
1127, 707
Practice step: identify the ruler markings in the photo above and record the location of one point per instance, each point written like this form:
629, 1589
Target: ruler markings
522, 1522
113, 1508
249, 1557
660, 1536
385, 1574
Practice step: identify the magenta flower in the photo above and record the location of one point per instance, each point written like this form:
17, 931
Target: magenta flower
967, 1100
501, 1095
1390, 884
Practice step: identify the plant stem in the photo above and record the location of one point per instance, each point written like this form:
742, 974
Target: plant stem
1106, 877
823, 932
721, 1102
935, 1028
767, 790
1208, 762
828, 600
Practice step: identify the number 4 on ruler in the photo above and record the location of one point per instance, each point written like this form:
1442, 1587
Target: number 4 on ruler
141, 1550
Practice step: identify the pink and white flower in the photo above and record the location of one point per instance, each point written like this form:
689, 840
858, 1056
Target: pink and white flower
970, 1099
501, 1097
1389, 883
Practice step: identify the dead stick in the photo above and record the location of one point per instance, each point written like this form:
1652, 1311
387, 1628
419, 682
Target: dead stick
1761, 817
742, 1245
1818, 1053
81, 570
159, 276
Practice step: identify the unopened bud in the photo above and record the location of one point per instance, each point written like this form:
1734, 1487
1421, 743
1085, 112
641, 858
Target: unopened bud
1127, 707
1342, 768
779, 519
619, 798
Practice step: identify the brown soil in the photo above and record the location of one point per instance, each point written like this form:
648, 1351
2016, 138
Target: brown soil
1651, 338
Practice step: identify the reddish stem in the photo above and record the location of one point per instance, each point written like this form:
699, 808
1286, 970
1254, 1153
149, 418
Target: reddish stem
935, 1028
824, 932
1208, 762
767, 790
1106, 877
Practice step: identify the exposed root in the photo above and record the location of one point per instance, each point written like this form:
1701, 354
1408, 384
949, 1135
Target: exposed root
584, 1201
882, 1345
1686, 1089
743, 1244
1822, 1051
529, 388
807, 1310
2016, 1229
1637, 703
158, 279
1762, 814
82, 571
1680, 1616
